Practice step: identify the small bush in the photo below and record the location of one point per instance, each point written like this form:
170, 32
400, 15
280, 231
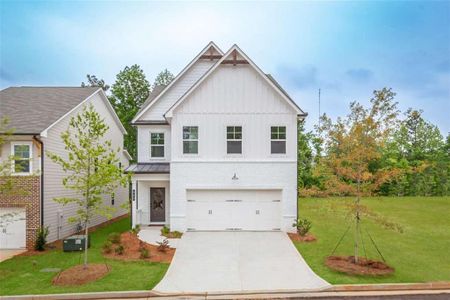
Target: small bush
114, 237
163, 246
176, 234
119, 250
144, 253
107, 247
302, 225
165, 230
136, 229
41, 239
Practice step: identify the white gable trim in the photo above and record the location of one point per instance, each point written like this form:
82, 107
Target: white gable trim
169, 113
44, 133
210, 44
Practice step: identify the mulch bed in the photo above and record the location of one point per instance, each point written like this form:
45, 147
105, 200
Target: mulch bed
367, 267
304, 239
132, 244
78, 275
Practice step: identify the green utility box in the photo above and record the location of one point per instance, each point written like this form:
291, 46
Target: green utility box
75, 243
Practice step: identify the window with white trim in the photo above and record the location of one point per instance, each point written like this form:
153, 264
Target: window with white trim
156, 145
21, 158
234, 139
278, 139
190, 139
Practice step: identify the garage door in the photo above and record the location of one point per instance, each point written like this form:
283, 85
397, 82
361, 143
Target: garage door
12, 228
258, 210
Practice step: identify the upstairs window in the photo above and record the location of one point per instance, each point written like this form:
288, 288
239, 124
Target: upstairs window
21, 157
234, 139
278, 139
156, 145
190, 139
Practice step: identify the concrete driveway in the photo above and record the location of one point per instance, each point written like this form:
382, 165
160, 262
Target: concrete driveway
238, 261
8, 253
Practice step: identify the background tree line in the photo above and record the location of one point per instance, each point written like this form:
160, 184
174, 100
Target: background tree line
374, 150
127, 95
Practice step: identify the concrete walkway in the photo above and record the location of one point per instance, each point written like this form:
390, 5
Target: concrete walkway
8, 253
238, 261
152, 234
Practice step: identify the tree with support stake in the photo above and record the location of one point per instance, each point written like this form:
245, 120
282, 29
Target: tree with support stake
92, 168
355, 146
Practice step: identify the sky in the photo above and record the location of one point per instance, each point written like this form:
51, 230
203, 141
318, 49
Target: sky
345, 49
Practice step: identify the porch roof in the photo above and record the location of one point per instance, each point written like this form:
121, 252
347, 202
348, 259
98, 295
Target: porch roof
149, 168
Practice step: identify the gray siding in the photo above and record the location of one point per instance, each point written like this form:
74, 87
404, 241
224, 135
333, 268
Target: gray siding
56, 214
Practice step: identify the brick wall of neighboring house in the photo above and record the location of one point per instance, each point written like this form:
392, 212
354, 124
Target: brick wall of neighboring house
26, 194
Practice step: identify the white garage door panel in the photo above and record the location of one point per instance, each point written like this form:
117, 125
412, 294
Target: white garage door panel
12, 228
234, 210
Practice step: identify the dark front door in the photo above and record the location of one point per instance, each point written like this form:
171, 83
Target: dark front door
157, 204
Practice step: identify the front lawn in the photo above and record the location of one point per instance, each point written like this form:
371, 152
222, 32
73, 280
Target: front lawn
22, 274
419, 254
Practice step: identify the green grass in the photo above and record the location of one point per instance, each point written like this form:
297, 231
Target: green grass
420, 254
21, 275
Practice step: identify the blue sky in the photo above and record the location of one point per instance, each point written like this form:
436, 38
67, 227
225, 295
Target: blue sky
347, 49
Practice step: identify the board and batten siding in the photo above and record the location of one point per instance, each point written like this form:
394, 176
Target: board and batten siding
143, 141
55, 214
234, 96
156, 112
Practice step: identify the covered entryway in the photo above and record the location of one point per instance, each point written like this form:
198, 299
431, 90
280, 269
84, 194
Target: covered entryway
230, 210
12, 228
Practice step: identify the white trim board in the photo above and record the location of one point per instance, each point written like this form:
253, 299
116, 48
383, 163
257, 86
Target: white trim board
210, 44
169, 112
102, 94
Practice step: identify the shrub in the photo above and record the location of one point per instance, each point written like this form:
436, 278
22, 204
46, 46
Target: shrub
107, 247
119, 250
41, 239
114, 237
136, 229
144, 252
165, 230
176, 234
302, 225
163, 246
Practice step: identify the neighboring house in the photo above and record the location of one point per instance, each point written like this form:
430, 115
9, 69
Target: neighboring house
217, 149
38, 116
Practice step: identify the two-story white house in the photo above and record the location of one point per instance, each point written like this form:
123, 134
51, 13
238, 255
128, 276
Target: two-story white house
217, 149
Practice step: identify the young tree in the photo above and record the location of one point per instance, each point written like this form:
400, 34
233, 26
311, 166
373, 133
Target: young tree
163, 78
6, 181
92, 80
355, 147
91, 165
129, 92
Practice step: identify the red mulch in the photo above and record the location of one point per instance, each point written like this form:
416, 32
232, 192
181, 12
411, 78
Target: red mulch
78, 275
304, 239
346, 264
132, 244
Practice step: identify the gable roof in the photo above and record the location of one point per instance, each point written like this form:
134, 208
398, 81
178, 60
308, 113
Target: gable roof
33, 110
149, 102
152, 96
236, 50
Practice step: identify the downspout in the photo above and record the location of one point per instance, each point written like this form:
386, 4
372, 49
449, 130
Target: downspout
42, 180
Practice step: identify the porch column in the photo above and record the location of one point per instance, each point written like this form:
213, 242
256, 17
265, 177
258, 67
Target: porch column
134, 201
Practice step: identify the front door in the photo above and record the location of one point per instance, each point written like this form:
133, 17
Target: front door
157, 205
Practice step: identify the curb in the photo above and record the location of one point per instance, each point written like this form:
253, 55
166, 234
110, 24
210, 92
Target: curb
336, 291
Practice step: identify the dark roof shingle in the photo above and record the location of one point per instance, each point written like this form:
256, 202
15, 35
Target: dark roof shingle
149, 168
33, 109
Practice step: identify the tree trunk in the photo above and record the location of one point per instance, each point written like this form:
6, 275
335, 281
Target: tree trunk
85, 244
